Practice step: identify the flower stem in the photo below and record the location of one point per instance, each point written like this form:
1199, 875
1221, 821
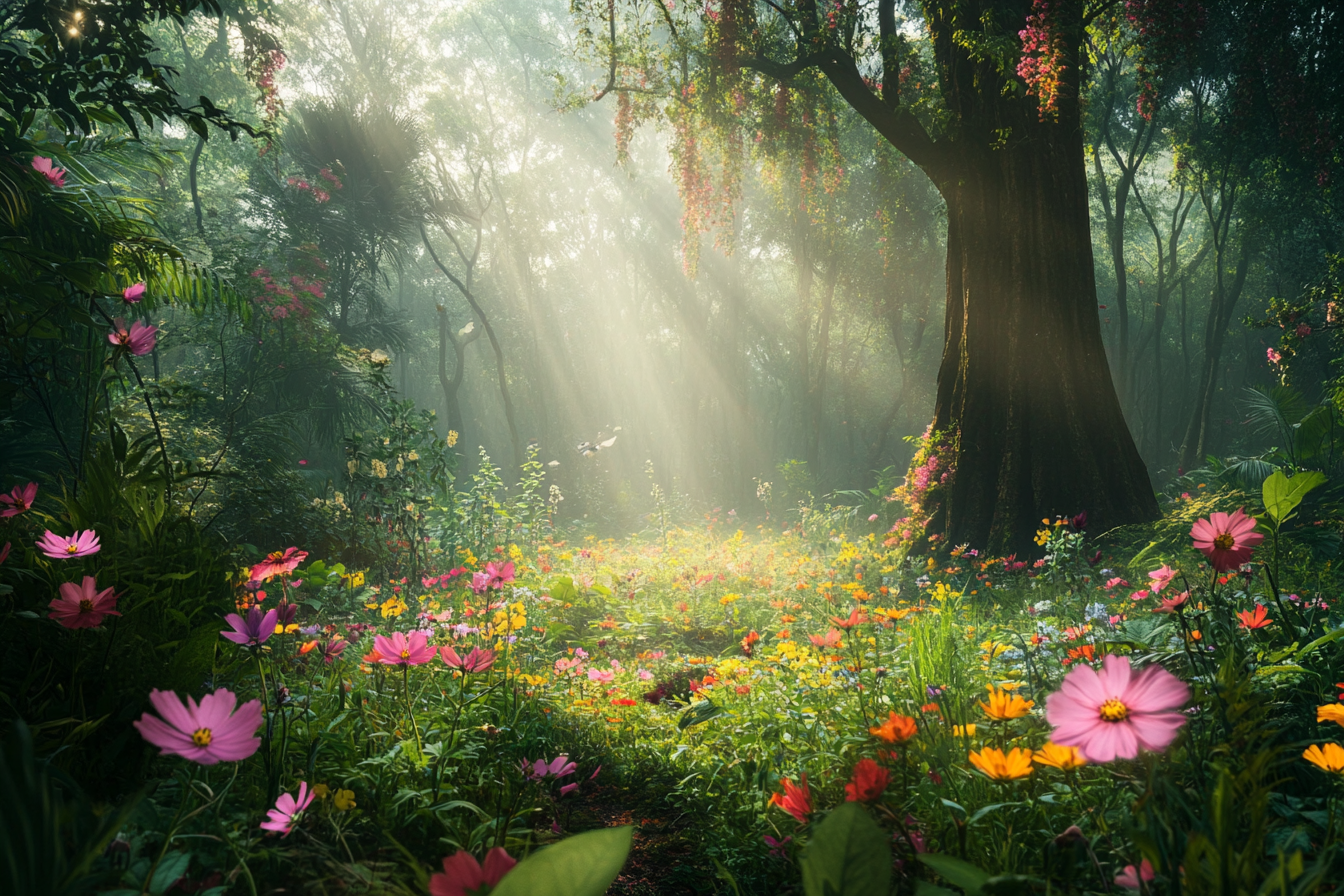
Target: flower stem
410, 710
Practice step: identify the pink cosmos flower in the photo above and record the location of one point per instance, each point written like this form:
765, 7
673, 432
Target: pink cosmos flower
81, 544
602, 675
1226, 539
132, 294
559, 767
278, 563
1161, 577
479, 582
253, 630
49, 170
83, 606
138, 340
207, 733
19, 499
1169, 604
1111, 713
463, 875
287, 810
477, 660
401, 649
1133, 878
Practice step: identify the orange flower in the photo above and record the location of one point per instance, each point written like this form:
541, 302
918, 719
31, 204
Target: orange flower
930, 707
1326, 757
1062, 758
1256, 618
897, 729
1087, 652
1003, 706
1331, 712
1016, 763
797, 801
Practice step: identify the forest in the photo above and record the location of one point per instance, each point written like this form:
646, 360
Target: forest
639, 447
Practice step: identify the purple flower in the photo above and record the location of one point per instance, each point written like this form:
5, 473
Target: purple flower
81, 544
253, 630
558, 767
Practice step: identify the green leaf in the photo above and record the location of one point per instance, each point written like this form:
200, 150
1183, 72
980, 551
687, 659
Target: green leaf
700, 712
170, 871
582, 865
1282, 494
924, 888
848, 856
956, 871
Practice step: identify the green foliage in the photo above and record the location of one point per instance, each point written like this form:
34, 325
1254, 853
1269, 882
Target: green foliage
583, 865
848, 855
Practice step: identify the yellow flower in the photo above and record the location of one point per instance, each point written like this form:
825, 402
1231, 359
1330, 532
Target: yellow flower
401, 464
993, 649
1042, 536
414, 455
1003, 706
729, 598
352, 467
452, 437
393, 606
1000, 766
1327, 757
963, 730
1062, 758
379, 468
1331, 712
344, 800
320, 791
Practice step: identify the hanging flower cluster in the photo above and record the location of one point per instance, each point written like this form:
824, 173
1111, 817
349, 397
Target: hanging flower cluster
1042, 62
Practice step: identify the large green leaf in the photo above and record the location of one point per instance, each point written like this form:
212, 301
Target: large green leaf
848, 856
582, 865
1282, 494
957, 872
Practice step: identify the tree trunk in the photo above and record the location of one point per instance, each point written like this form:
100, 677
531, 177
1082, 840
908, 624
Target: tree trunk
1024, 386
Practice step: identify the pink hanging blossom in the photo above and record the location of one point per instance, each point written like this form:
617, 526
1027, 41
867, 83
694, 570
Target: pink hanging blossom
19, 499
83, 606
81, 544
133, 294
287, 811
1273, 356
1112, 713
206, 733
1161, 577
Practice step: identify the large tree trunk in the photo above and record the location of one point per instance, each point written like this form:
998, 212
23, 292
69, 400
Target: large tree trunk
1024, 387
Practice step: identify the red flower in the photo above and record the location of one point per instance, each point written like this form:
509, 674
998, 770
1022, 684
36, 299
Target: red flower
797, 801
1256, 618
1226, 539
856, 617
278, 562
868, 782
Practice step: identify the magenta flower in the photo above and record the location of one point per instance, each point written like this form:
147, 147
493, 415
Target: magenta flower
253, 630
48, 169
133, 294
81, 544
278, 563
207, 733
1169, 604
1226, 539
287, 810
479, 582
477, 661
138, 340
83, 606
499, 576
1161, 577
463, 875
559, 767
401, 649
19, 499
1111, 713
1134, 878
332, 650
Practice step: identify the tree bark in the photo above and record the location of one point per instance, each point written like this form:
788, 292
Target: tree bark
1024, 385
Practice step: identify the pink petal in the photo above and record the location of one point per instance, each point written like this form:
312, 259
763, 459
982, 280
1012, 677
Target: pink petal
215, 709
1155, 689
1110, 740
1114, 675
169, 706
497, 864
1155, 731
